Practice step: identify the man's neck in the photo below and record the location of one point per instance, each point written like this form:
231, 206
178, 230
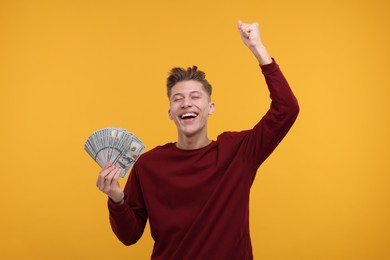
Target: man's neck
192, 143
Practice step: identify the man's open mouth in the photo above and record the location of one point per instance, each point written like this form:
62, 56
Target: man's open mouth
188, 116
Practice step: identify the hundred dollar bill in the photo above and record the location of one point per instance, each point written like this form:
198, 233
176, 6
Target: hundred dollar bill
114, 145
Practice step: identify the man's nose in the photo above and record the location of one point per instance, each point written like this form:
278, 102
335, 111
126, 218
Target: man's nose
186, 102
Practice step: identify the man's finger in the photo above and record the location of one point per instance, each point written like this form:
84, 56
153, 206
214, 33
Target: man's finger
110, 179
239, 23
102, 175
105, 171
107, 165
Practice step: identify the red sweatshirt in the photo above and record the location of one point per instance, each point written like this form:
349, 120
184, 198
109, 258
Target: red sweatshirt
197, 201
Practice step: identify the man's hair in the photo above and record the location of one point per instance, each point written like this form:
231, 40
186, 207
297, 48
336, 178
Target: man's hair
179, 74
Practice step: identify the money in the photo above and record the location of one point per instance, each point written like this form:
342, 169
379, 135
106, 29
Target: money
114, 145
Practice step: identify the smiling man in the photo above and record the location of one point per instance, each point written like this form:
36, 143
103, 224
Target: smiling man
195, 192
189, 95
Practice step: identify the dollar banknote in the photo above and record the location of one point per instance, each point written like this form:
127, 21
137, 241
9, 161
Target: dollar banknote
114, 145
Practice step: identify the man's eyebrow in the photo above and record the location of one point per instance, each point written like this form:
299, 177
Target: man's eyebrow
177, 94
191, 92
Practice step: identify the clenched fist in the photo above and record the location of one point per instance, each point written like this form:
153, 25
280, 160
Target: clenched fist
250, 35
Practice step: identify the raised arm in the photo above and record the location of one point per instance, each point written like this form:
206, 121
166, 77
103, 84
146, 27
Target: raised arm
250, 35
284, 108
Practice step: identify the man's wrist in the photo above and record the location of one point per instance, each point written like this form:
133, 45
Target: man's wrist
262, 55
117, 201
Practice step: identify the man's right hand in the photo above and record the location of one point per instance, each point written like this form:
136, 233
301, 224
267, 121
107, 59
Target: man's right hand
107, 182
250, 35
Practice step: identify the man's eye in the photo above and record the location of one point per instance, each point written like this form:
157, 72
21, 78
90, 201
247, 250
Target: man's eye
177, 99
195, 97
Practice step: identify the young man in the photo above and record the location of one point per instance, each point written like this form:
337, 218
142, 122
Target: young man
195, 192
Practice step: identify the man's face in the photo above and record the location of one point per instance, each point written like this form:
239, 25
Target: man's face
190, 107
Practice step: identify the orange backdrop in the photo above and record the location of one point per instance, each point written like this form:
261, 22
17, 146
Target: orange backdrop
68, 68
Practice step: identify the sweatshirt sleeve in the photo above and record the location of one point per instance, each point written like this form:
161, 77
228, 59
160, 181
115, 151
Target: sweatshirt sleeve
274, 125
129, 219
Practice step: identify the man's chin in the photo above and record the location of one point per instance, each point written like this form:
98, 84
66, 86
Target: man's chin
189, 131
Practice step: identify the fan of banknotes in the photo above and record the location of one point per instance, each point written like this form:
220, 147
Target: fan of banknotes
114, 145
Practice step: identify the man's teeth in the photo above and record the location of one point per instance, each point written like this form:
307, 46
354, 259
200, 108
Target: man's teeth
188, 115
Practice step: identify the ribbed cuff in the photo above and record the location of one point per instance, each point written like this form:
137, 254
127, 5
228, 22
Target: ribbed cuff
116, 207
269, 68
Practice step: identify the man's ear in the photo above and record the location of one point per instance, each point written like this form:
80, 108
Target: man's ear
169, 114
211, 108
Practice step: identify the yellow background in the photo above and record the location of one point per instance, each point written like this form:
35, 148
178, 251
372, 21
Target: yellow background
68, 68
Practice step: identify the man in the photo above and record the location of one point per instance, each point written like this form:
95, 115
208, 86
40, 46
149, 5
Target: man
195, 192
